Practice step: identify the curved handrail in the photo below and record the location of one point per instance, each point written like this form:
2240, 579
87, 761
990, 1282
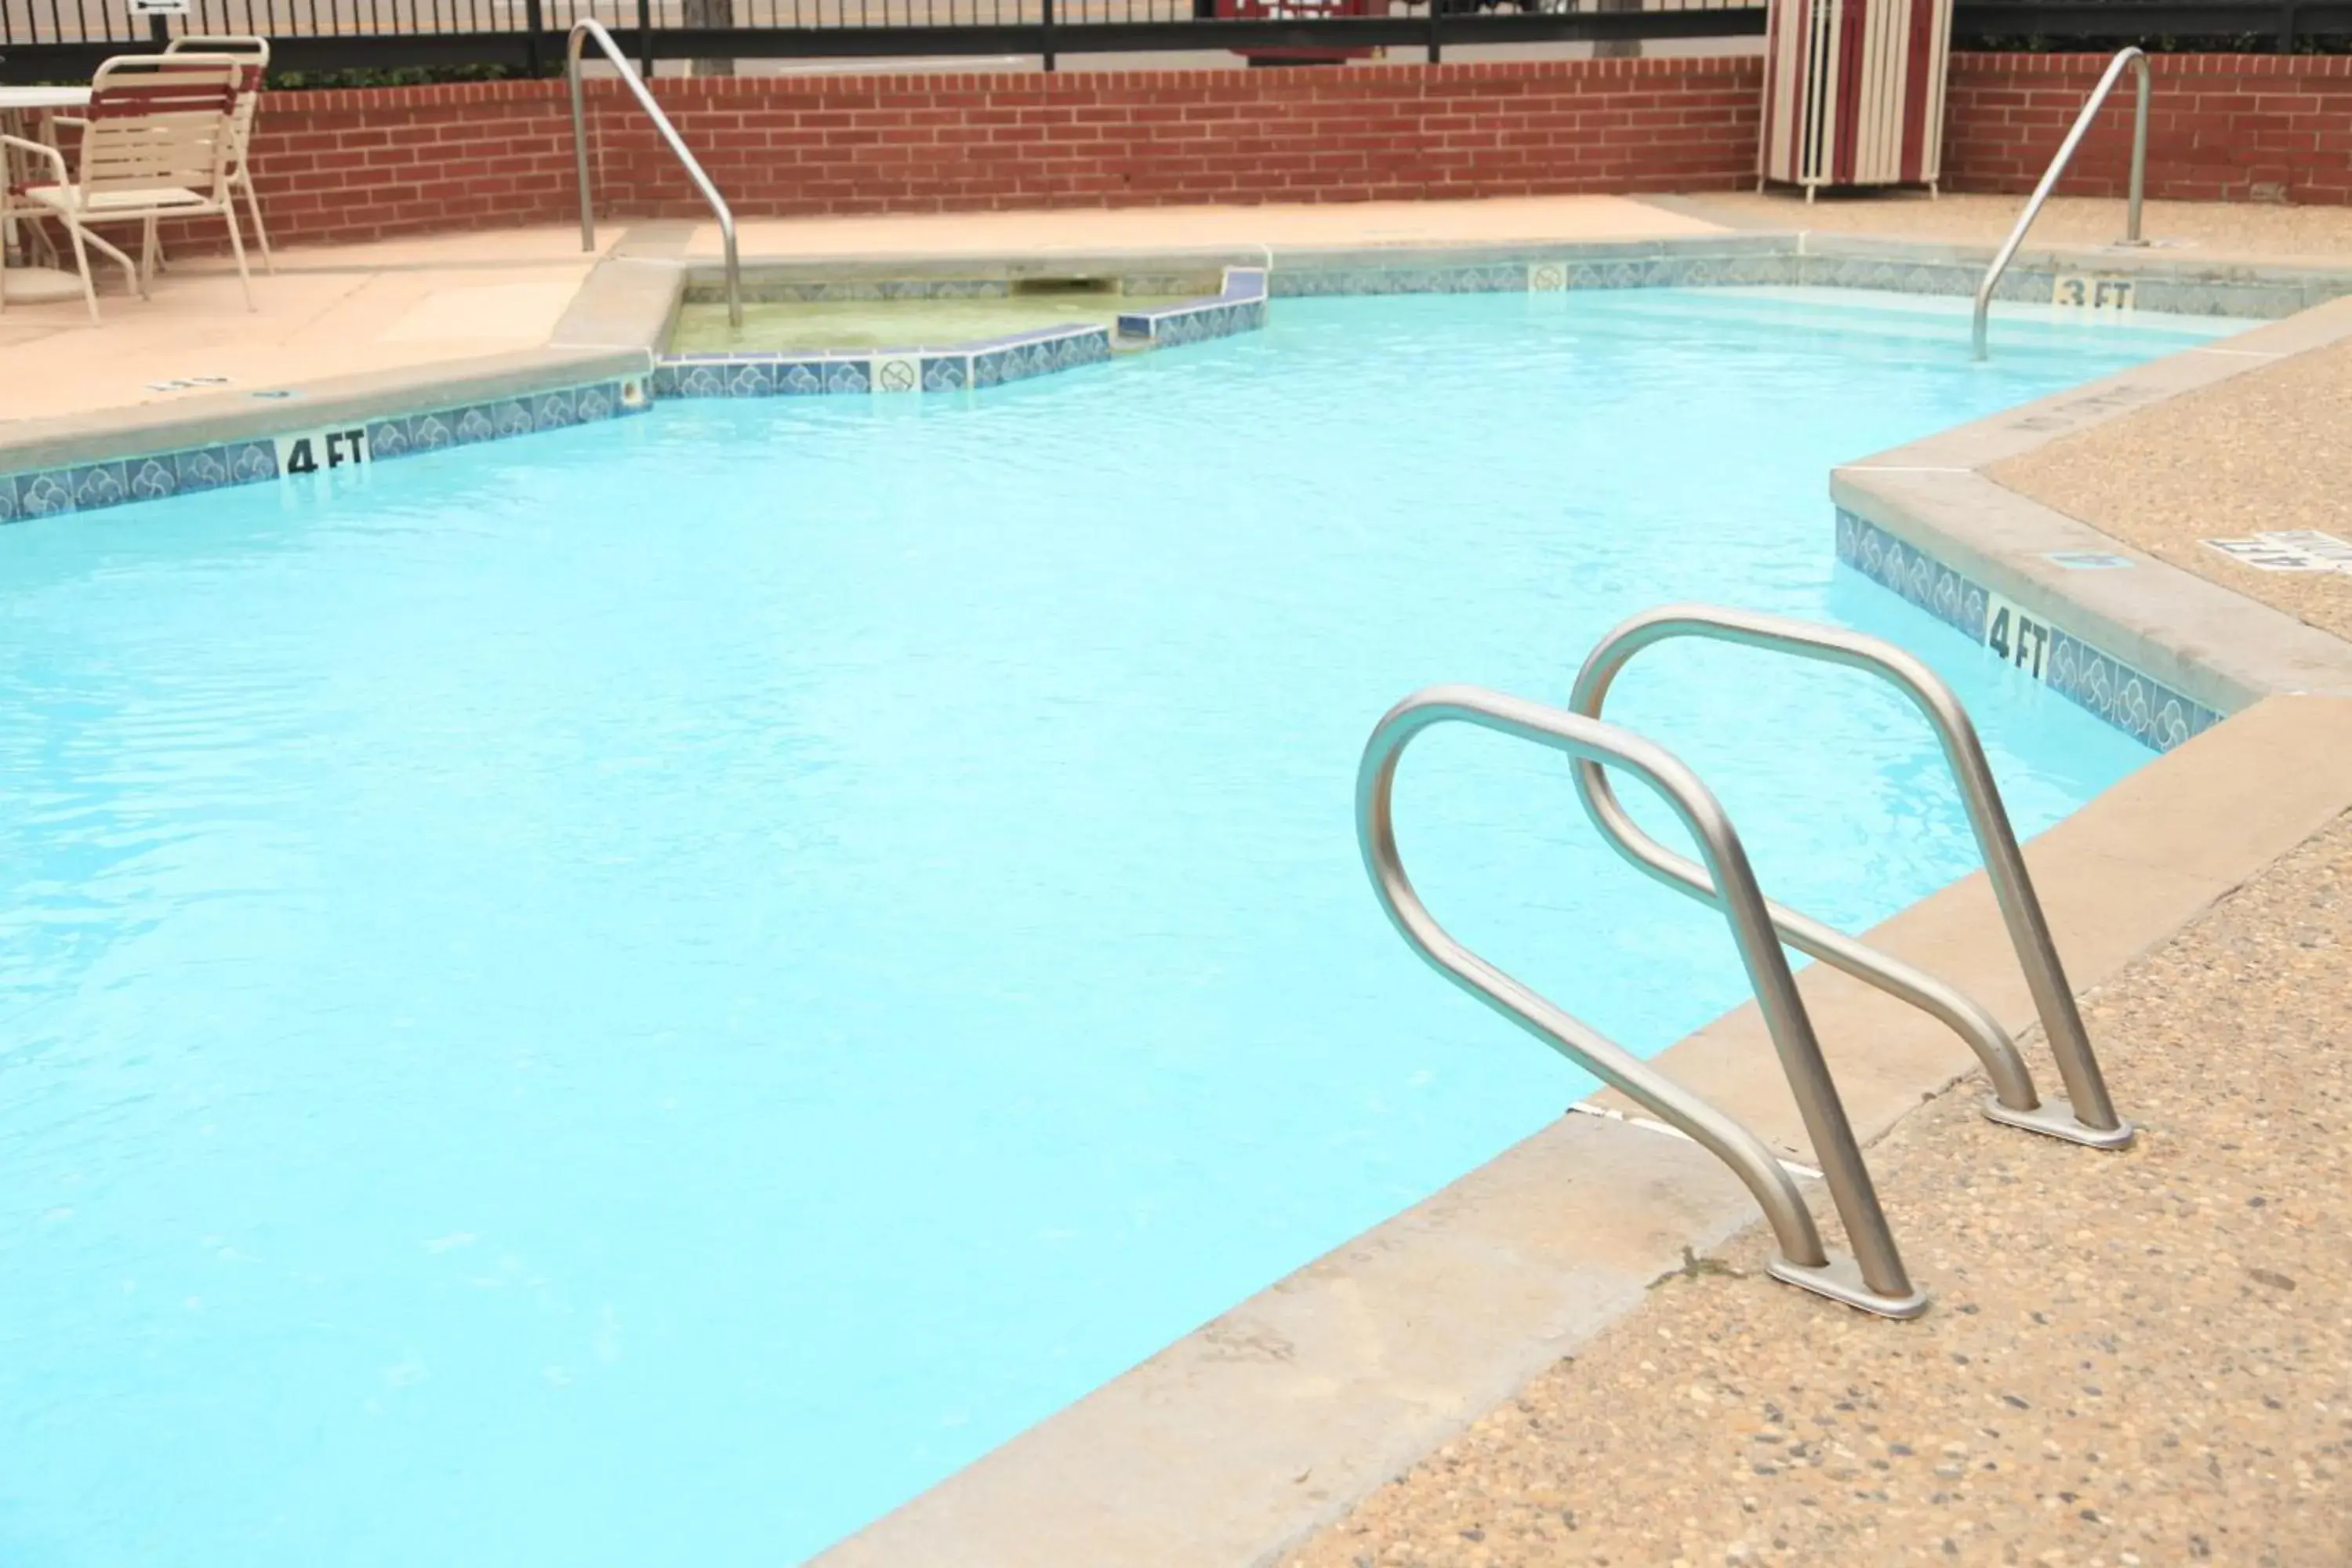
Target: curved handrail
588, 28
2135, 57
2087, 1115
1874, 1281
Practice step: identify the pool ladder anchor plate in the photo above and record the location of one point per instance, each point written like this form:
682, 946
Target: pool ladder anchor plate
2054, 1118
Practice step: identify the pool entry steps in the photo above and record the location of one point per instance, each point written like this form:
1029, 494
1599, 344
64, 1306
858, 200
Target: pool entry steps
1874, 1278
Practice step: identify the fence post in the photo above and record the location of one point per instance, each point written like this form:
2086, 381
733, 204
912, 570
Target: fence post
532, 19
2286, 28
645, 39
159, 31
1049, 33
1436, 51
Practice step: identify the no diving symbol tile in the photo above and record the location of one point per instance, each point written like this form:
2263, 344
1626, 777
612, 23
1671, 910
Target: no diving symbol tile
897, 375
1547, 278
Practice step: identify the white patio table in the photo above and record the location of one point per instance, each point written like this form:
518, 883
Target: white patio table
24, 112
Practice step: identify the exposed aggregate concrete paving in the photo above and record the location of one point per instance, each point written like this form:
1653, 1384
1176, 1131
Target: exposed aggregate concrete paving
2142, 1358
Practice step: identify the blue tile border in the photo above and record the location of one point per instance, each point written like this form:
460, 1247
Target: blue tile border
2135, 702
96, 487
1729, 261
1239, 307
808, 372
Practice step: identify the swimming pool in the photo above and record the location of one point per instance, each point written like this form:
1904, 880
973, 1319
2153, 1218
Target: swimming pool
644, 993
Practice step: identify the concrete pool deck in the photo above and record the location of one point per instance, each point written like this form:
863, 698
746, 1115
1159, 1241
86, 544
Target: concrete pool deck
328, 312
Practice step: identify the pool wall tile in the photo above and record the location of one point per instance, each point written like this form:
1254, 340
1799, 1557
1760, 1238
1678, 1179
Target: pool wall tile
946, 372
1925, 582
97, 485
472, 425
754, 379
387, 438
153, 476
250, 462
2138, 704
208, 468
2134, 702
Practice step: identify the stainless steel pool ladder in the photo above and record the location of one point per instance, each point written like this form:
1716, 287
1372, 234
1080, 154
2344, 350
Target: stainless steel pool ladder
1874, 1281
2135, 60
2086, 1114
586, 30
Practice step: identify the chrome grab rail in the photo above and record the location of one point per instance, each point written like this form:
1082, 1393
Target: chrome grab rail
2087, 1115
1874, 1279
589, 27
2135, 58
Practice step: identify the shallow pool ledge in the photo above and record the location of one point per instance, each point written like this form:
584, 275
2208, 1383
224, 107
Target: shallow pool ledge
1238, 1441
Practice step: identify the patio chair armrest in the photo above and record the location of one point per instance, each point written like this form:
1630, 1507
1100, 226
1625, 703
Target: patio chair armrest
55, 158
75, 121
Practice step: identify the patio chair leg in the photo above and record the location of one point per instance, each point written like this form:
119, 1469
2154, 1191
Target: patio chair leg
81, 260
147, 254
236, 244
253, 205
122, 258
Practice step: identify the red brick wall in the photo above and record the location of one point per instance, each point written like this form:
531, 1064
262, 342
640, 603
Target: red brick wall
344, 167
355, 165
2221, 127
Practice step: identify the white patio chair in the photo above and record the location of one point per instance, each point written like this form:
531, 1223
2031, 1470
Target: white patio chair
254, 53
155, 144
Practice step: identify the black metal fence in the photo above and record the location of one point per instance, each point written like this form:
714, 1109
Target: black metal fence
58, 39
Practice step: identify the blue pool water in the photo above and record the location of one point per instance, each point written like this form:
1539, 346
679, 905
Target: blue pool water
642, 994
